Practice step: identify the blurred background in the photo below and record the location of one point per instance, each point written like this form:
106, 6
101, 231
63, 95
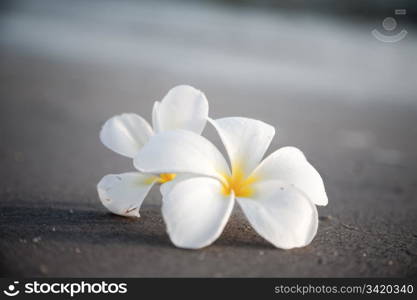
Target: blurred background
338, 79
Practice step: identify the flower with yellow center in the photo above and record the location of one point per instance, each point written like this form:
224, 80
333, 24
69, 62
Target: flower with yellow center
278, 195
238, 183
183, 107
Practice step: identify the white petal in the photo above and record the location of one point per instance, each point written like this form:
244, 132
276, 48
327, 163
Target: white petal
181, 151
155, 117
195, 212
125, 134
281, 214
184, 107
123, 194
289, 164
166, 187
246, 141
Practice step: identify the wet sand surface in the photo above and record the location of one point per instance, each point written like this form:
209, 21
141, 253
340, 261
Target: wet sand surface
347, 100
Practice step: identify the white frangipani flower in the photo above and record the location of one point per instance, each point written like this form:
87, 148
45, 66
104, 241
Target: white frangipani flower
183, 107
277, 195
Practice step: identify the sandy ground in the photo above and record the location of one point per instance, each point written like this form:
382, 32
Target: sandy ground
347, 100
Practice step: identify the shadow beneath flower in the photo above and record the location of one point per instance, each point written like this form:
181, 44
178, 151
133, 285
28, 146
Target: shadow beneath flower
238, 233
85, 225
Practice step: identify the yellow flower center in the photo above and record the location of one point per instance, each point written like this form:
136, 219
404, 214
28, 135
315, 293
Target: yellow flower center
238, 183
165, 177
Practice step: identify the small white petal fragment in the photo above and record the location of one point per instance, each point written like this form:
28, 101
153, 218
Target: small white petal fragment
184, 107
246, 140
181, 151
289, 164
125, 134
281, 214
123, 194
196, 212
155, 117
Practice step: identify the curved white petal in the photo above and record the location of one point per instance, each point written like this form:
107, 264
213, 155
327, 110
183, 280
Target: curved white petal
281, 214
184, 107
123, 194
289, 164
155, 116
181, 151
125, 134
195, 212
246, 141
166, 187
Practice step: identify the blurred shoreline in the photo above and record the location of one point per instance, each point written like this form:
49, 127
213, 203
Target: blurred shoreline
287, 50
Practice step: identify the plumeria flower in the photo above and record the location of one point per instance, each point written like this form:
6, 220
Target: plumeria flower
278, 195
183, 107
